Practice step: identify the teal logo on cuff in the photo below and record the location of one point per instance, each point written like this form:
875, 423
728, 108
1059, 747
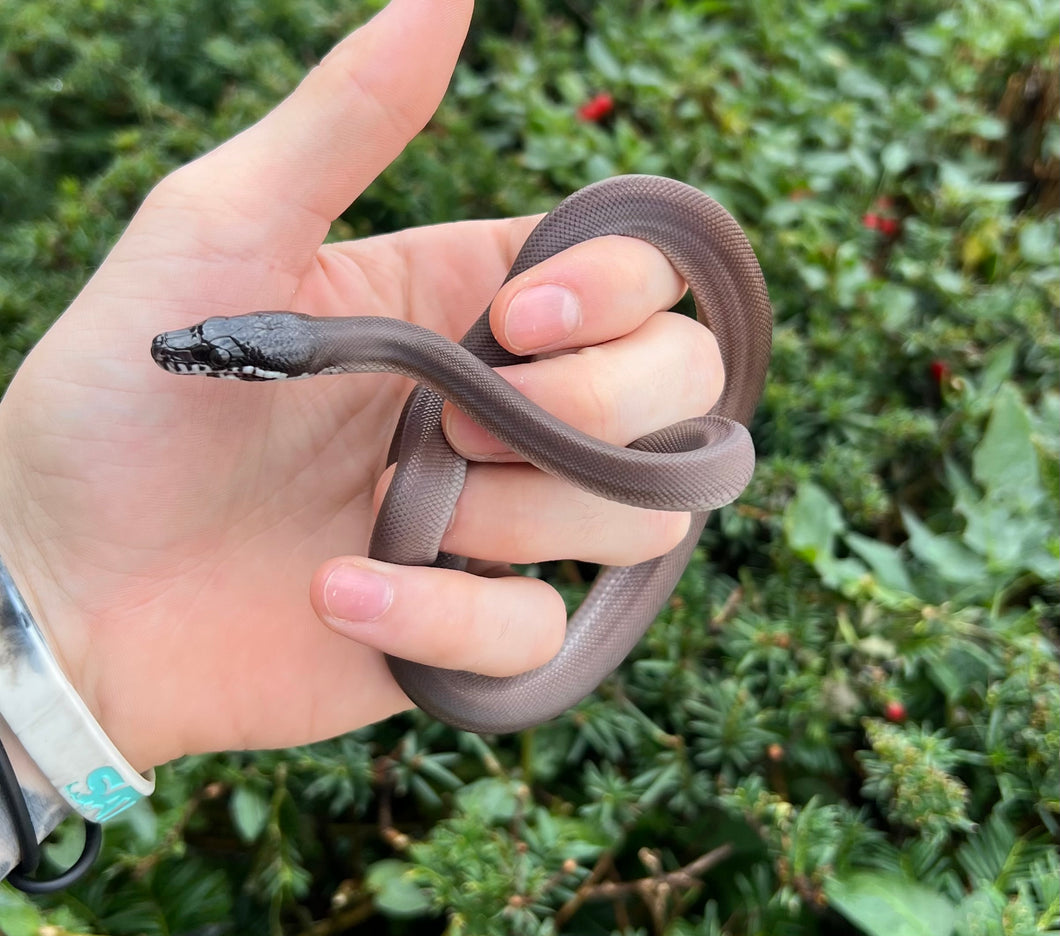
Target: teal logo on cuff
104, 791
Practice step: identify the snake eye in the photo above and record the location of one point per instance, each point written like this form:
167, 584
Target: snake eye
219, 358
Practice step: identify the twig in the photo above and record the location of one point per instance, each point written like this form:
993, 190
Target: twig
388, 832
342, 920
211, 791
728, 609
650, 889
688, 876
583, 893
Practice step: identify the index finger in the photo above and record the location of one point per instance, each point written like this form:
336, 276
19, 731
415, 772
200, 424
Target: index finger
590, 293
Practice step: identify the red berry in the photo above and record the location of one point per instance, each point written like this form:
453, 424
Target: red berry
940, 371
597, 107
871, 220
888, 227
894, 711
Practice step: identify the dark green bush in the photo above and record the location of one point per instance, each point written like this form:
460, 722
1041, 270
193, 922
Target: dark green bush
849, 717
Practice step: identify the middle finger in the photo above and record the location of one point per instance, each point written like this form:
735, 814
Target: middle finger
666, 370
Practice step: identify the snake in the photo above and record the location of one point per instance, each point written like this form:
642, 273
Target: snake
696, 465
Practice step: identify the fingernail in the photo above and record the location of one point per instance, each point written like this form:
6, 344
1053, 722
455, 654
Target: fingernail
356, 596
541, 316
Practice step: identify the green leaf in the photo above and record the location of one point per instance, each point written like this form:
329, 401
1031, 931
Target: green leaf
946, 554
1047, 428
602, 60
490, 799
1005, 461
998, 367
890, 905
895, 157
811, 521
18, 915
396, 893
1038, 242
884, 560
897, 306
250, 812
1009, 540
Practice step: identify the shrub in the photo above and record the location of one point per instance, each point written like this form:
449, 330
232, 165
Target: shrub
849, 715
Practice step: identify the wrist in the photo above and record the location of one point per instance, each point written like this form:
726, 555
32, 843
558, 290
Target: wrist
53, 725
64, 626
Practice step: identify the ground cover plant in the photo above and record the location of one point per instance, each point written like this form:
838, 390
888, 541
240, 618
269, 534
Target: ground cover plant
848, 719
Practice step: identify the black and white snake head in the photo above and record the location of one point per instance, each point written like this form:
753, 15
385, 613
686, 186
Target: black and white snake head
259, 346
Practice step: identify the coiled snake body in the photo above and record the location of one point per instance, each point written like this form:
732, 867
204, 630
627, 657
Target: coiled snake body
695, 465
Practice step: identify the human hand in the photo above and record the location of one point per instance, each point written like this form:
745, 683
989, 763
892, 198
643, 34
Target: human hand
174, 536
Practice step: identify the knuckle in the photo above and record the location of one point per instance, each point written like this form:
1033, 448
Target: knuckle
656, 533
344, 68
648, 273
551, 629
628, 266
513, 631
598, 399
699, 374
665, 529
175, 190
636, 266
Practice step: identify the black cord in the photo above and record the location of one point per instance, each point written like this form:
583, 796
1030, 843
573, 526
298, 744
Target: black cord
93, 844
26, 835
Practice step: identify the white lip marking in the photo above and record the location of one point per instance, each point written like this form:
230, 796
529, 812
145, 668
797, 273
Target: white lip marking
248, 370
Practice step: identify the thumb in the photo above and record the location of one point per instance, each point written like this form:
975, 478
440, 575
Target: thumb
301, 165
454, 620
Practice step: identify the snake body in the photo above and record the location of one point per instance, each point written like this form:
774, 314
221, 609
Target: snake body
696, 465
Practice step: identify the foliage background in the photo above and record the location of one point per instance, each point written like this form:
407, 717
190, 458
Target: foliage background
848, 720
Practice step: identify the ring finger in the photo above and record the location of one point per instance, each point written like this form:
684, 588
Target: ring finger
666, 370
